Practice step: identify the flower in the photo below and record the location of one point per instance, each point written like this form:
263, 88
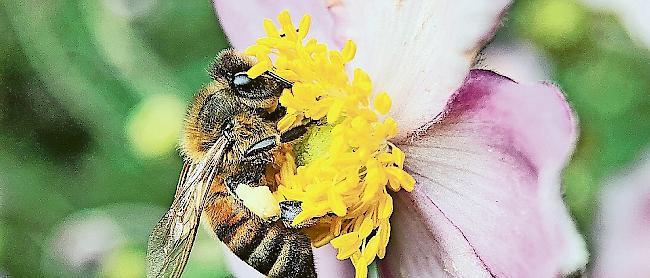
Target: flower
623, 227
345, 167
485, 151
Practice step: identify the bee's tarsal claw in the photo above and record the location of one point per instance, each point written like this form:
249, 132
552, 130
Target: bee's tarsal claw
289, 210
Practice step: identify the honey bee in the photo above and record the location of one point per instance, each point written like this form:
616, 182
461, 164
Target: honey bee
229, 139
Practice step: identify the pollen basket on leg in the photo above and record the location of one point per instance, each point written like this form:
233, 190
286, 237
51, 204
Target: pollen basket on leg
341, 172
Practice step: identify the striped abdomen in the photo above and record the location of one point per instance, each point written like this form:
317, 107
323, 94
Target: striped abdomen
269, 247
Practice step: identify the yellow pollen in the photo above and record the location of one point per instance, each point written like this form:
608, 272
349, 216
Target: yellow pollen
343, 170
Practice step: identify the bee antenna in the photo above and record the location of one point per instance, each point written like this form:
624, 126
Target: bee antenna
280, 79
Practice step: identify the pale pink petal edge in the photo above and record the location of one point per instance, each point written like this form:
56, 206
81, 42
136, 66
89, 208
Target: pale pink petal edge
474, 227
242, 20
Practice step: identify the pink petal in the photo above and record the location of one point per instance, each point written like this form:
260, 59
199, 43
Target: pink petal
327, 266
418, 51
487, 201
623, 232
242, 20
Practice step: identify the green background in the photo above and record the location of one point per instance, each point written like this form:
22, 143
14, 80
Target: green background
92, 94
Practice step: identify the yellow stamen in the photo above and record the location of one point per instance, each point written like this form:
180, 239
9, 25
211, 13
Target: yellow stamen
270, 29
348, 52
382, 103
343, 170
259, 68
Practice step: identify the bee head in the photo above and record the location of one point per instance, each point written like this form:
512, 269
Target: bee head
245, 110
229, 69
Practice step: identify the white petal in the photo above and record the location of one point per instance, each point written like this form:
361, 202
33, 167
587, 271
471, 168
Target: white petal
519, 60
418, 51
242, 20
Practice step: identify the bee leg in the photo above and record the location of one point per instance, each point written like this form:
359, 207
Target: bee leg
251, 176
293, 134
262, 146
297, 132
289, 210
276, 115
232, 184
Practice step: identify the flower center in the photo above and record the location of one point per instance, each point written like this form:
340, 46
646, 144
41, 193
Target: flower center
343, 169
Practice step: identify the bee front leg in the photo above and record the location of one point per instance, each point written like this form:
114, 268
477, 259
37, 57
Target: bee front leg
289, 209
297, 132
293, 134
261, 146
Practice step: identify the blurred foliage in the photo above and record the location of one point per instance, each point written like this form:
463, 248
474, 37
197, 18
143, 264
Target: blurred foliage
92, 94
606, 77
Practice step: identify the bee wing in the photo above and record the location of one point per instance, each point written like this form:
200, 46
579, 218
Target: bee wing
160, 252
171, 240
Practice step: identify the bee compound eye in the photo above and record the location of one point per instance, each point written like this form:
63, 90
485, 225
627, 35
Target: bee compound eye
241, 79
